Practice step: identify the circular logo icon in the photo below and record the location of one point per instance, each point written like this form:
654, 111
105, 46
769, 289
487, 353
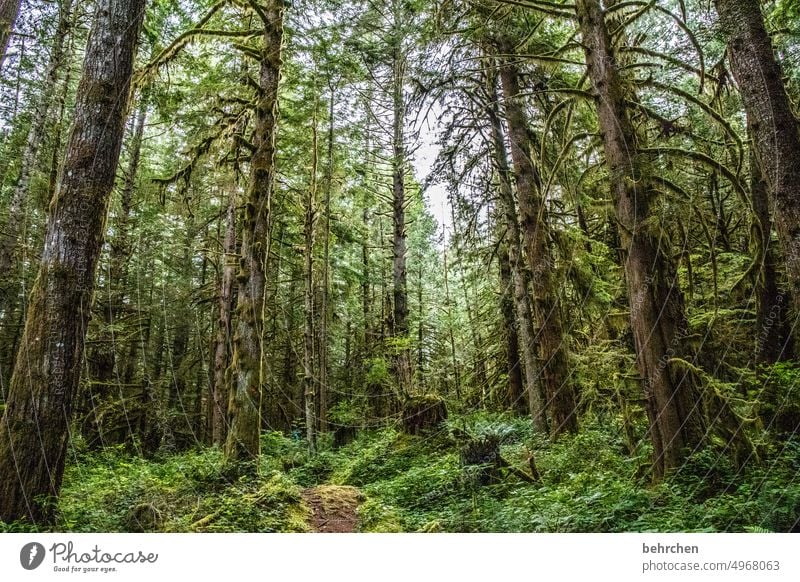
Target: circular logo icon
31, 555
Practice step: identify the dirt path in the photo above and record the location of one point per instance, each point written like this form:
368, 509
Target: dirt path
333, 508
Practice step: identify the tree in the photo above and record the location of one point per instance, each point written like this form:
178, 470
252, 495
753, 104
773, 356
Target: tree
772, 123
9, 9
553, 368
47, 370
657, 312
519, 273
248, 357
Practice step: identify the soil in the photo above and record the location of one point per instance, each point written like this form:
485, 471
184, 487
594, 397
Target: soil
334, 508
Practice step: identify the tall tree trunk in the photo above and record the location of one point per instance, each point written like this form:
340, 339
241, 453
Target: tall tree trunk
325, 283
773, 335
244, 407
222, 346
658, 319
47, 370
449, 312
554, 361
309, 355
119, 259
9, 9
366, 291
399, 245
519, 274
366, 287
515, 392
772, 123
16, 211
420, 327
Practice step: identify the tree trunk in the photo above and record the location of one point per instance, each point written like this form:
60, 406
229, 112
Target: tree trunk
399, 245
16, 210
773, 334
515, 393
554, 362
222, 347
658, 319
519, 274
309, 355
248, 358
772, 123
449, 313
326, 251
9, 9
47, 370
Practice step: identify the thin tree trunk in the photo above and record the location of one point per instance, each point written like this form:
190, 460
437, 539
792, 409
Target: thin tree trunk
244, 408
515, 393
772, 123
222, 347
47, 370
519, 274
365, 283
16, 210
658, 319
773, 335
420, 328
449, 313
58, 130
554, 361
326, 251
366, 291
9, 9
309, 355
399, 242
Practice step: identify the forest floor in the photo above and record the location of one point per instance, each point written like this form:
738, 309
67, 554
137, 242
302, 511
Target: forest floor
389, 481
334, 508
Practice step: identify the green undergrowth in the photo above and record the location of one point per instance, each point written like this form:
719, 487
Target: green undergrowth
589, 482
189, 492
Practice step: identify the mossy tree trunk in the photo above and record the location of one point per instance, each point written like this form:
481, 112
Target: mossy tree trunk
519, 275
222, 343
553, 367
772, 123
10, 237
248, 357
657, 312
35, 427
9, 10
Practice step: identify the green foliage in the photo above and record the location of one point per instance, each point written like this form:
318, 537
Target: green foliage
588, 484
185, 493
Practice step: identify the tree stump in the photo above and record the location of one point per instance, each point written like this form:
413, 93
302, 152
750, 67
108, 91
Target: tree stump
481, 457
423, 413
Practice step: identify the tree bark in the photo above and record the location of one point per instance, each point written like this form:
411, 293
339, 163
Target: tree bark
773, 332
222, 347
772, 123
325, 284
248, 358
16, 210
9, 10
399, 245
657, 312
553, 357
515, 393
47, 370
309, 354
519, 274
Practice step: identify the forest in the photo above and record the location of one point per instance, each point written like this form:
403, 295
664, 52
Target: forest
399, 266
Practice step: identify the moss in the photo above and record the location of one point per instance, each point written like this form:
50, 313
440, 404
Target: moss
338, 497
